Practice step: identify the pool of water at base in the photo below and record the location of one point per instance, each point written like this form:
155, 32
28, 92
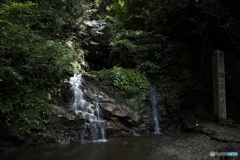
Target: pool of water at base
128, 148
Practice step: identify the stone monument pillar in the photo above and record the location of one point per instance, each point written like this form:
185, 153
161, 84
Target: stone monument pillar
219, 93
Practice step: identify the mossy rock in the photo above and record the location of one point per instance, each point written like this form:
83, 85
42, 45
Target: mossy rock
57, 109
91, 79
135, 103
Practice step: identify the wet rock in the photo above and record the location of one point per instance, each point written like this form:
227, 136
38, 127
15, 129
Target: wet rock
221, 133
110, 109
144, 122
167, 124
89, 94
55, 109
134, 118
9, 141
104, 98
112, 129
45, 138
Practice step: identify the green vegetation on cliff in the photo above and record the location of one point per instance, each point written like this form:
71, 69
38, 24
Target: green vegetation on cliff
126, 81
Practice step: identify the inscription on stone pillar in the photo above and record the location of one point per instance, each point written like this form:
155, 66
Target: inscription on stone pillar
219, 93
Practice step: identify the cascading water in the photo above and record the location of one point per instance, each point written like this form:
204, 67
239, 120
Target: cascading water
155, 115
89, 111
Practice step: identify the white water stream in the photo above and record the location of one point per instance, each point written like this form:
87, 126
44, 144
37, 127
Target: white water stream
155, 114
89, 111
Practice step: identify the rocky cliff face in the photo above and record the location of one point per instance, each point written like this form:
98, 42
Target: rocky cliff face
66, 126
121, 120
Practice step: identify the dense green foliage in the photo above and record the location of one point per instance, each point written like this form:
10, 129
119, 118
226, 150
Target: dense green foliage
38, 51
166, 42
126, 81
30, 63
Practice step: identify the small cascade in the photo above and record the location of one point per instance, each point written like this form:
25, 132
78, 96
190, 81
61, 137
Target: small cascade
90, 112
155, 115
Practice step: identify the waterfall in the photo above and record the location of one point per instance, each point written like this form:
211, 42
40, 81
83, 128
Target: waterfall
89, 111
155, 115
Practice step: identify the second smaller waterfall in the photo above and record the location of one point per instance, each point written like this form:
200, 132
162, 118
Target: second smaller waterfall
89, 111
155, 114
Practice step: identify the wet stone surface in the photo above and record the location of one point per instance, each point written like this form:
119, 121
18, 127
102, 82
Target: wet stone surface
190, 146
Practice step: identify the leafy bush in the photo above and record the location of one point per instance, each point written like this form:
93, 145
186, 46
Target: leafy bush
127, 81
33, 119
131, 91
136, 103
